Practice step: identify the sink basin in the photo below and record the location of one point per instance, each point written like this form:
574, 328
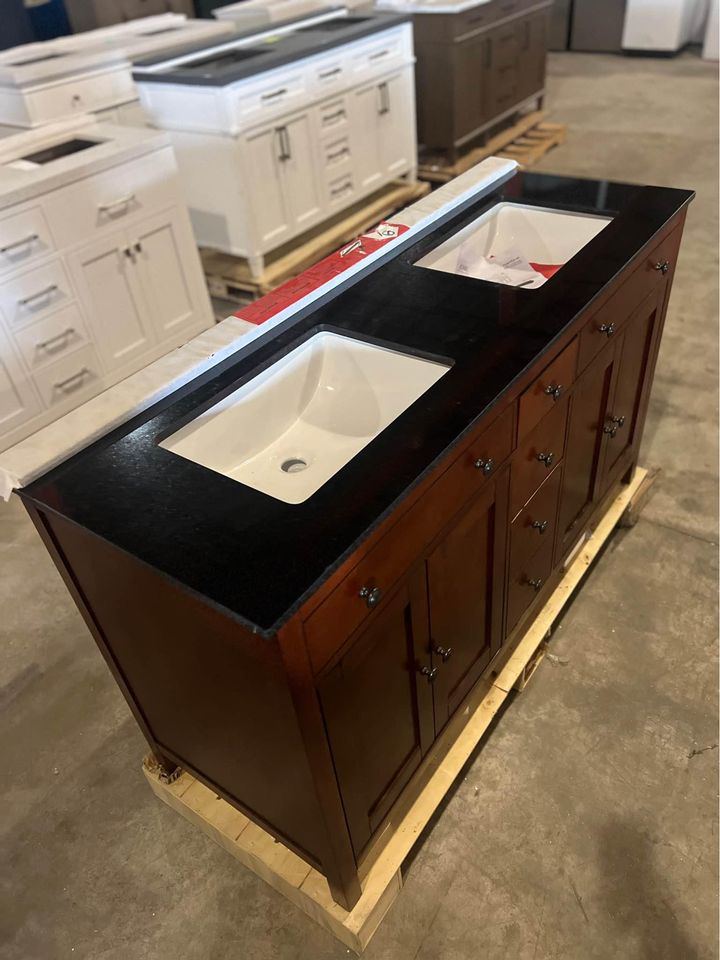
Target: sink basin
293, 426
535, 239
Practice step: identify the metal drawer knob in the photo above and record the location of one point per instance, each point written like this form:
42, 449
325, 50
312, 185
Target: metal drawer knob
535, 584
546, 458
443, 652
554, 390
663, 266
612, 428
487, 466
429, 672
607, 328
539, 525
371, 596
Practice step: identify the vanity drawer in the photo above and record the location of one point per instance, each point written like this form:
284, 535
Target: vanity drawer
525, 583
538, 454
72, 376
80, 95
53, 337
552, 384
377, 55
275, 94
333, 116
330, 72
336, 152
329, 626
534, 526
341, 189
485, 15
32, 294
113, 197
23, 238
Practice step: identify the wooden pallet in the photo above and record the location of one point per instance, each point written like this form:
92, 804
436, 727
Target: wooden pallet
526, 141
381, 871
230, 277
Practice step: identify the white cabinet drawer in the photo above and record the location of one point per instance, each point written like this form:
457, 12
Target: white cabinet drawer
112, 197
74, 376
275, 93
78, 95
336, 153
381, 53
341, 189
24, 237
47, 340
32, 294
330, 73
332, 116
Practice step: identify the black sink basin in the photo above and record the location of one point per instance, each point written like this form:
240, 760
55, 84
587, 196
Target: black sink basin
210, 65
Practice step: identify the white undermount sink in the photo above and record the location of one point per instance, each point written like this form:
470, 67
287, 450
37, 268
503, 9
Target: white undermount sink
535, 241
293, 426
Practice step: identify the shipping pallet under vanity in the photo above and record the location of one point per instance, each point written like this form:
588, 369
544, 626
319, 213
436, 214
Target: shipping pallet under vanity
528, 139
229, 277
381, 872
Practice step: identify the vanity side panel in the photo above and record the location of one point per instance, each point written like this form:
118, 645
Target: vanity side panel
207, 693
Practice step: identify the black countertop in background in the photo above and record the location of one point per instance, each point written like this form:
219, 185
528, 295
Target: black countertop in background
260, 557
219, 69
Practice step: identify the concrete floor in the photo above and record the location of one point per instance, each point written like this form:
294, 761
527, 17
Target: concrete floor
585, 829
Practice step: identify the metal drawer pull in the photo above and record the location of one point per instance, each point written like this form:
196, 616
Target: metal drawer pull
26, 241
379, 54
371, 596
341, 189
384, 98
344, 152
663, 266
539, 525
73, 382
52, 341
40, 295
443, 652
429, 672
329, 117
535, 584
487, 466
114, 204
612, 428
546, 458
274, 94
330, 73
554, 390
607, 328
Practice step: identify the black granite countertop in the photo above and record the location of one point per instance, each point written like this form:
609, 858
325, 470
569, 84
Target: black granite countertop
259, 557
229, 64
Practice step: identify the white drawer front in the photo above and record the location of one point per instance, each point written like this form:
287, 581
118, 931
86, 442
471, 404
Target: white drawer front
380, 53
73, 377
275, 94
23, 238
46, 340
30, 295
336, 154
331, 73
333, 116
80, 95
341, 190
112, 197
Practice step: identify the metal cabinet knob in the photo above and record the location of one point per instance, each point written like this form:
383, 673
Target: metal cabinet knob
539, 525
486, 466
546, 458
429, 672
535, 584
371, 595
443, 652
612, 428
607, 328
663, 266
554, 390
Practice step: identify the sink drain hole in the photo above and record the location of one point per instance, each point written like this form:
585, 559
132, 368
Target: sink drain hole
293, 465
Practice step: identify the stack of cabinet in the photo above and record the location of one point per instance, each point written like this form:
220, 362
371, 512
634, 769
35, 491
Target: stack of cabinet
97, 278
476, 67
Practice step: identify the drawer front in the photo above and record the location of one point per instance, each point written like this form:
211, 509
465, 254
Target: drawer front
24, 237
608, 320
275, 94
74, 376
485, 15
341, 189
526, 582
552, 384
505, 48
353, 600
333, 116
32, 294
330, 73
379, 54
44, 341
538, 454
336, 153
535, 525
82, 95
113, 197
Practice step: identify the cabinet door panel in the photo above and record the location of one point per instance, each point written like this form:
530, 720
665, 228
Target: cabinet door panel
471, 61
299, 172
368, 160
18, 401
378, 709
271, 215
164, 280
465, 579
396, 125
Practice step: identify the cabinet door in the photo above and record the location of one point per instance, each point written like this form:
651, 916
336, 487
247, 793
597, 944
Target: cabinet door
588, 407
396, 126
465, 592
161, 259
18, 401
532, 42
108, 282
299, 172
378, 708
472, 62
623, 421
368, 159
263, 172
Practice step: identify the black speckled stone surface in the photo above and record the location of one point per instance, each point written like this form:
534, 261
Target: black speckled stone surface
216, 70
260, 557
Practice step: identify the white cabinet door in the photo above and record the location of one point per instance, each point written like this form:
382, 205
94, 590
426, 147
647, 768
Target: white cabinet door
301, 184
18, 401
367, 156
263, 175
108, 283
396, 124
162, 260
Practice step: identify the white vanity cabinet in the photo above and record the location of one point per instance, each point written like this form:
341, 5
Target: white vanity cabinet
99, 273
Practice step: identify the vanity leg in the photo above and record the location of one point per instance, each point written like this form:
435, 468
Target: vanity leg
257, 266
